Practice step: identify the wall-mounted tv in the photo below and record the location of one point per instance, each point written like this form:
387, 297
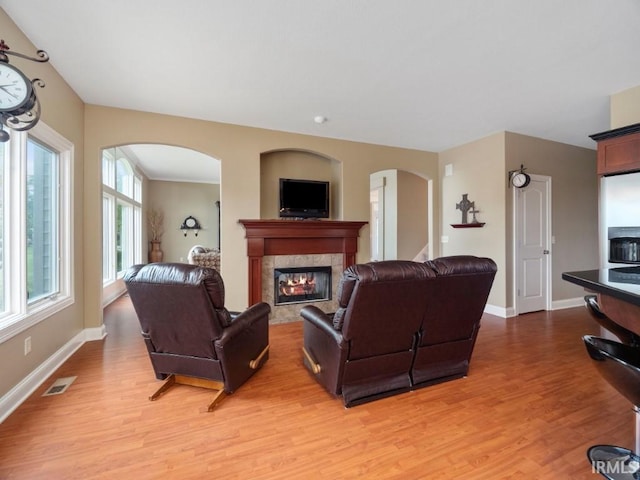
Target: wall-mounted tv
304, 198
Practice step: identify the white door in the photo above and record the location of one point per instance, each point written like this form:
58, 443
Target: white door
532, 207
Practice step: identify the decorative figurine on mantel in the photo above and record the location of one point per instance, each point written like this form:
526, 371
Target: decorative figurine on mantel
466, 206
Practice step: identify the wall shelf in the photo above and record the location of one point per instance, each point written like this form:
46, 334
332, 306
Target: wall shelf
468, 225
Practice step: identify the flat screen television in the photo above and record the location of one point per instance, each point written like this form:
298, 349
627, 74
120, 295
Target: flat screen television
304, 198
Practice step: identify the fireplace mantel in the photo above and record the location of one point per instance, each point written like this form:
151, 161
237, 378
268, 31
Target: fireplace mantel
296, 237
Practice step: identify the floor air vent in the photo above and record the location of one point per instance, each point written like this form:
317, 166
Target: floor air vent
59, 386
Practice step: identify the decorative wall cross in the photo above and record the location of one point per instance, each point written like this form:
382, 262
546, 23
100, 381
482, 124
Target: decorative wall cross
464, 206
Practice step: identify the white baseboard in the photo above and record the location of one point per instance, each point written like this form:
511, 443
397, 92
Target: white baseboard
97, 333
567, 303
555, 305
498, 311
18, 394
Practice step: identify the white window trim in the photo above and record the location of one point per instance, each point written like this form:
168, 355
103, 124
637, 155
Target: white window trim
20, 316
109, 187
110, 229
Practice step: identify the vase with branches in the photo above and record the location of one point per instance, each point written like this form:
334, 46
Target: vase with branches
155, 224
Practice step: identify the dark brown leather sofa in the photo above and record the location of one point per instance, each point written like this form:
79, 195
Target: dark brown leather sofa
452, 318
189, 333
400, 325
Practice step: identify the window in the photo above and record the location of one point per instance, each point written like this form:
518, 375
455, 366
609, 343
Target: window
108, 224
42, 206
3, 202
121, 215
35, 228
124, 236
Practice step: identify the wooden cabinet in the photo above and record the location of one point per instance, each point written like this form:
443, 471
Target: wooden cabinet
618, 150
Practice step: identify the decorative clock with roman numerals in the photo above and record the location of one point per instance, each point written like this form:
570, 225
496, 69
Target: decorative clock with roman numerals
16, 91
19, 105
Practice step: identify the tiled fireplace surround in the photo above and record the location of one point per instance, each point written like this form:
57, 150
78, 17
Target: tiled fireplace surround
291, 312
294, 243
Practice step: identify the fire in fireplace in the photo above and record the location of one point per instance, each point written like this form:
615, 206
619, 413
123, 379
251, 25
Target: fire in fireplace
301, 284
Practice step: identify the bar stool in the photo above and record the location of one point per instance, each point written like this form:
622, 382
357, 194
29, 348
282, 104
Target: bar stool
619, 364
625, 336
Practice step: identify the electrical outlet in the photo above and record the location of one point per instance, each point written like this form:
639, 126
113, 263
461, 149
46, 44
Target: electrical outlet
27, 345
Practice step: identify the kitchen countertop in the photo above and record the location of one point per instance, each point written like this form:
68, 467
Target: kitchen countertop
622, 283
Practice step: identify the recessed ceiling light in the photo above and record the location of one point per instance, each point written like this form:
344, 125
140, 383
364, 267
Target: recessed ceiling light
319, 119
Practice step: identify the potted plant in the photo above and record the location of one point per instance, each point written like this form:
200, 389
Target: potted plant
155, 224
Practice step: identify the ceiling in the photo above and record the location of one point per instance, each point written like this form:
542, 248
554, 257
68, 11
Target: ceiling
174, 164
423, 74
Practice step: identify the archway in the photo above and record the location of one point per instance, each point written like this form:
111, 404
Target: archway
177, 182
401, 216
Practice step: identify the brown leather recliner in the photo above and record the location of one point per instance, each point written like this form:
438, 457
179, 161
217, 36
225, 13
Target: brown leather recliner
365, 350
400, 325
452, 318
190, 336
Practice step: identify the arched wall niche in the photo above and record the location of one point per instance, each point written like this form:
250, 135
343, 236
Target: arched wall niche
298, 164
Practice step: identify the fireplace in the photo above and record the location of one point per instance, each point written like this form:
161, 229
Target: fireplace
301, 284
279, 244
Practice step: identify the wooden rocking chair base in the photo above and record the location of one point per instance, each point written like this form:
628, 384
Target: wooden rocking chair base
172, 380
255, 363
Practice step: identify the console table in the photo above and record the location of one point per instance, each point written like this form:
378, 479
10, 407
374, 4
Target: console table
296, 237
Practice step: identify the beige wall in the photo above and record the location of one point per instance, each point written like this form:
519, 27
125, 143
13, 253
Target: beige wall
479, 171
62, 110
574, 205
178, 200
239, 149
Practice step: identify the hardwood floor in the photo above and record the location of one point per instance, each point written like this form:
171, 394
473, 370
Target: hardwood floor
530, 407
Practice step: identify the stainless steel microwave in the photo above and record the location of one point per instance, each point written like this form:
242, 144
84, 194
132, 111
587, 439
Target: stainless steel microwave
624, 244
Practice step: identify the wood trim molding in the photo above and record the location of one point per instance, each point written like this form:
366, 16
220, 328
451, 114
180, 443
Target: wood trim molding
296, 237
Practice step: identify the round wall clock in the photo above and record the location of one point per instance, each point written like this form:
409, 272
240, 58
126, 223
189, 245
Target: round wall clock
15, 90
520, 179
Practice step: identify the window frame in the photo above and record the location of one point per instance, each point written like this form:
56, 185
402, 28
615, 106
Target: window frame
19, 314
108, 235
50, 222
131, 197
